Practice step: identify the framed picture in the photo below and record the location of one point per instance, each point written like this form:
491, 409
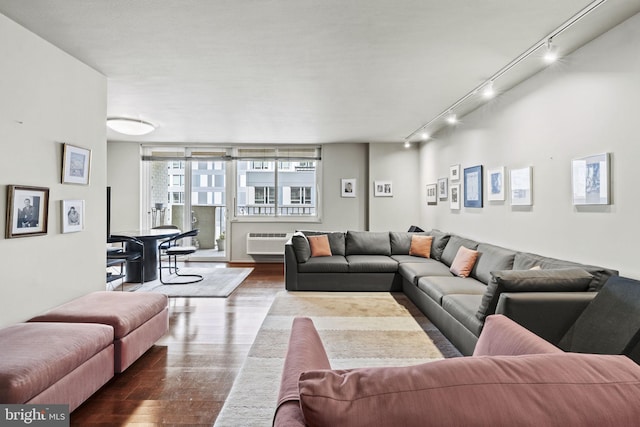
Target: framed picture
473, 187
520, 183
443, 188
495, 184
76, 163
382, 189
590, 180
72, 216
348, 187
454, 173
432, 196
454, 196
27, 211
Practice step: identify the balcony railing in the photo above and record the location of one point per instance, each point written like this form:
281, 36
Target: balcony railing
270, 210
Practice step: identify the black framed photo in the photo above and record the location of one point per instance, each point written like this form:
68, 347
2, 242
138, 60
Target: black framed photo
473, 187
27, 211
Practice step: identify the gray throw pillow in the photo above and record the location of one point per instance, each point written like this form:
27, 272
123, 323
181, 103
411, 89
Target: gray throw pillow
440, 240
301, 247
557, 280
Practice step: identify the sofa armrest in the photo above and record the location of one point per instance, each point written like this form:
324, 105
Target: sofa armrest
502, 336
290, 267
546, 314
305, 353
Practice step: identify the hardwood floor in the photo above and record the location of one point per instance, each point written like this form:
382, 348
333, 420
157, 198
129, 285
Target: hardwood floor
185, 378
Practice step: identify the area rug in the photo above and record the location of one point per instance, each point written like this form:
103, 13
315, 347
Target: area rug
358, 329
217, 282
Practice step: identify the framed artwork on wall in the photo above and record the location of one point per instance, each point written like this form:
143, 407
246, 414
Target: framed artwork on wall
76, 165
383, 189
521, 183
454, 197
27, 211
454, 173
432, 196
473, 187
348, 187
443, 190
590, 180
495, 183
72, 216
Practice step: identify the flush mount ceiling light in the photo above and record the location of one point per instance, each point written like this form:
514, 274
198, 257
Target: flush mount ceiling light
126, 126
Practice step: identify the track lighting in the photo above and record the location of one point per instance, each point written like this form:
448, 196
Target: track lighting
551, 54
488, 92
407, 144
452, 119
424, 136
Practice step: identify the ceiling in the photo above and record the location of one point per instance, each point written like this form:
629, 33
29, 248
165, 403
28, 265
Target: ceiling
299, 71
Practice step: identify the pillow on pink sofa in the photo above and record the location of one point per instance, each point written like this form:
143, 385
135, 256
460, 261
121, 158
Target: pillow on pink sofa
544, 389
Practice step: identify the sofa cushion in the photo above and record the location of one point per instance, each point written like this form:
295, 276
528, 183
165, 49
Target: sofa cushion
421, 246
439, 286
319, 245
336, 240
464, 261
371, 264
611, 322
560, 280
491, 258
440, 241
570, 390
502, 336
451, 250
36, 355
412, 271
463, 308
327, 264
525, 261
301, 247
368, 243
409, 258
401, 241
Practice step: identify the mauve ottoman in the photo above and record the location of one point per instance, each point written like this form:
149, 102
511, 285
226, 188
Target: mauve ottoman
54, 363
138, 320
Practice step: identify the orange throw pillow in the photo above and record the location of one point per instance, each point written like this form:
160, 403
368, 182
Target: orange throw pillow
463, 262
319, 245
421, 246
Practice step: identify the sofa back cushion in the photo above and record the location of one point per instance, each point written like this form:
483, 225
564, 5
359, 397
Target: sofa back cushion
368, 243
301, 247
440, 241
611, 322
491, 258
336, 240
560, 280
525, 261
543, 389
401, 241
451, 249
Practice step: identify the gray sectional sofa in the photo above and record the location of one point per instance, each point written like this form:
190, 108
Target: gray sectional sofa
538, 291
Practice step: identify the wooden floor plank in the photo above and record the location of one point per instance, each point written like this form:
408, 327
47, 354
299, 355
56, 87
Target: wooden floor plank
185, 378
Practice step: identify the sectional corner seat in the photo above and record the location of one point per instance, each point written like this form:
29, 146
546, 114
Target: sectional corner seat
66, 354
502, 280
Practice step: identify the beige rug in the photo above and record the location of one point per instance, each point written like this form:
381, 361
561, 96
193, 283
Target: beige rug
217, 282
358, 329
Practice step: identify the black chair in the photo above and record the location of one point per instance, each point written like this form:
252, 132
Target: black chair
162, 248
132, 250
171, 248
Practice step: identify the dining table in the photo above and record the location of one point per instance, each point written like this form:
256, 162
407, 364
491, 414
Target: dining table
150, 237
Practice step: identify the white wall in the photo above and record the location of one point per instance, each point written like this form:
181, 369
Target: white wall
393, 162
123, 176
49, 98
585, 105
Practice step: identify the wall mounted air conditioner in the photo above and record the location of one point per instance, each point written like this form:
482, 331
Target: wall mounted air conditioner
267, 243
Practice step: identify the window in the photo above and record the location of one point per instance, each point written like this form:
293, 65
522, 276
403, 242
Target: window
277, 182
300, 195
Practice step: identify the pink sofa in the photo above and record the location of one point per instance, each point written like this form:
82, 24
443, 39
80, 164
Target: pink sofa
513, 378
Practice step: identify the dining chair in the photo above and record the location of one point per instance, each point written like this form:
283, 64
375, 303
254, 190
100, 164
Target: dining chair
172, 249
132, 251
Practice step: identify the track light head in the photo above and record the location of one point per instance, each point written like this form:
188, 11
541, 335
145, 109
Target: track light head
424, 136
407, 144
488, 92
551, 54
452, 119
